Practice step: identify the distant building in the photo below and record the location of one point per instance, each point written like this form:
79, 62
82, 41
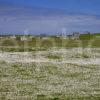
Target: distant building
23, 38
62, 35
74, 35
13, 37
8, 36
26, 38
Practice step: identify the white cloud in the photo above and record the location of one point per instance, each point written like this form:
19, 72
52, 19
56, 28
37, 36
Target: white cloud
36, 21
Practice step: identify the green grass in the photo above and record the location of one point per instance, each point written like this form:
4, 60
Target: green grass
84, 41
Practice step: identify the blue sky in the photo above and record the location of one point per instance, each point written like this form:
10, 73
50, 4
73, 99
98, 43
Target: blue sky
49, 16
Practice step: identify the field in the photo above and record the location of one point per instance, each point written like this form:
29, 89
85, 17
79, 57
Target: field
50, 69
53, 74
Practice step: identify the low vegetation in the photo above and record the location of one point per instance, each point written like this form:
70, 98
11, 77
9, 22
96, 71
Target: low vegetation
84, 41
49, 77
51, 68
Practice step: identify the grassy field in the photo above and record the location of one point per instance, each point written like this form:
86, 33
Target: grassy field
53, 74
50, 69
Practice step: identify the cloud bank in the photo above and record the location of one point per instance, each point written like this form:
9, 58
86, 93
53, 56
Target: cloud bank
36, 20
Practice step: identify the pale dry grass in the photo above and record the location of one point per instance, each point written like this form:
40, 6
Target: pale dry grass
33, 76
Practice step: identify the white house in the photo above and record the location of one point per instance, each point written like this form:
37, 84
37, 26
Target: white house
26, 38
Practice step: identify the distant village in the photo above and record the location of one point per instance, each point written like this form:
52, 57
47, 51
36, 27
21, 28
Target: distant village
29, 37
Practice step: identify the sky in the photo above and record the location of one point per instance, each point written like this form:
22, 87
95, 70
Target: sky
49, 16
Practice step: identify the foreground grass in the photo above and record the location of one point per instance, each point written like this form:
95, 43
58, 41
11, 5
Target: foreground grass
46, 81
